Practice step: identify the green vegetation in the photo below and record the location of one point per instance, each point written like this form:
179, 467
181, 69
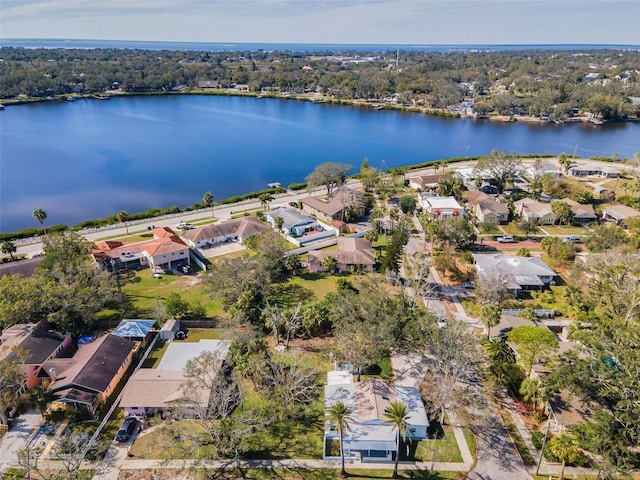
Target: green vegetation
518, 441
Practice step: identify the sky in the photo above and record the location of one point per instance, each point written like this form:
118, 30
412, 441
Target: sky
328, 21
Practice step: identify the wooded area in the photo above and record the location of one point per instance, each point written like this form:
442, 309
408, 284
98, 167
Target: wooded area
550, 84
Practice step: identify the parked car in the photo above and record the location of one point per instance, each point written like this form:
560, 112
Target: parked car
293, 204
506, 239
186, 269
469, 284
572, 238
127, 428
488, 189
184, 226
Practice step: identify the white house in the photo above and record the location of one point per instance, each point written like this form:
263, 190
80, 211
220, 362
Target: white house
166, 250
519, 274
427, 182
594, 170
619, 213
233, 230
370, 440
294, 221
440, 207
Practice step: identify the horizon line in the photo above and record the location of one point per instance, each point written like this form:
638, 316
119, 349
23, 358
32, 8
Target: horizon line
413, 44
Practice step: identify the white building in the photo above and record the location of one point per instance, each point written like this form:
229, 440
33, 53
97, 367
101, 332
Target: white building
440, 207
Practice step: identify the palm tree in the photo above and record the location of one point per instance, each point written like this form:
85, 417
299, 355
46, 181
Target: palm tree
532, 391
40, 216
265, 198
279, 223
9, 247
499, 351
490, 317
329, 263
339, 415
397, 414
207, 201
122, 217
40, 397
565, 448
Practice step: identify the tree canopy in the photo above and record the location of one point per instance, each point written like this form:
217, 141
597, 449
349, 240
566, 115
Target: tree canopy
330, 175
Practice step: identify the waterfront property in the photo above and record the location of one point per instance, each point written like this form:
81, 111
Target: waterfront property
235, 230
352, 253
518, 274
594, 170
294, 222
427, 182
370, 439
166, 250
338, 207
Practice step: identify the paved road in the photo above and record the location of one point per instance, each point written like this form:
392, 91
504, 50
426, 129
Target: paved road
15, 439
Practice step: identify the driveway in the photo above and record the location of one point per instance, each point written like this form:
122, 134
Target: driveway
15, 439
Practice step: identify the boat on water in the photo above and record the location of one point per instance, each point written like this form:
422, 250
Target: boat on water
101, 97
1, 107
70, 99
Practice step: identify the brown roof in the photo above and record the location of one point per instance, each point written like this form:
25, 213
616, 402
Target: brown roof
351, 251
328, 207
40, 345
165, 241
153, 388
579, 208
242, 227
168, 244
424, 180
95, 364
486, 203
372, 398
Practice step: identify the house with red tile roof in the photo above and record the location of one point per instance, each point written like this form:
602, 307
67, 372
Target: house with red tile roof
166, 250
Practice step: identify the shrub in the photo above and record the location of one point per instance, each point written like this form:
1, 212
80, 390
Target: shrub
537, 438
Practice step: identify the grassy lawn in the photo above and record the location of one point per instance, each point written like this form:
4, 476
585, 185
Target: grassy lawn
144, 291
471, 307
471, 441
549, 299
313, 286
517, 439
287, 474
565, 230
443, 447
512, 228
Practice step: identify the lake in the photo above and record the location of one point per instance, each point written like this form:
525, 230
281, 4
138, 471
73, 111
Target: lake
91, 158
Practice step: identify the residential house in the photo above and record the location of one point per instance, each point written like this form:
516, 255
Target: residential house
519, 274
440, 207
352, 253
537, 171
530, 209
208, 84
369, 439
486, 209
235, 230
150, 390
294, 221
619, 213
427, 182
38, 343
163, 389
582, 213
594, 170
138, 331
166, 250
88, 378
337, 207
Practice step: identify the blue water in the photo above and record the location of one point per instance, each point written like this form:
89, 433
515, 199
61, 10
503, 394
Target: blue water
92, 158
298, 47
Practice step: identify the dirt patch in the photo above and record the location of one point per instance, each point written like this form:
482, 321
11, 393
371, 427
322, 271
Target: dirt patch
160, 474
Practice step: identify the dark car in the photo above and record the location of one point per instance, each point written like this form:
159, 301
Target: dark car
293, 204
488, 189
127, 428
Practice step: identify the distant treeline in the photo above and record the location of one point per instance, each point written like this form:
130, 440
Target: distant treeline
545, 83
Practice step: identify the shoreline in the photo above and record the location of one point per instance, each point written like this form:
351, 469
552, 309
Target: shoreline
320, 99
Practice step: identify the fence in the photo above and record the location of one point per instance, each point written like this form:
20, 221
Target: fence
538, 312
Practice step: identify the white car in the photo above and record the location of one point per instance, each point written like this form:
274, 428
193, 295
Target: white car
184, 226
506, 239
